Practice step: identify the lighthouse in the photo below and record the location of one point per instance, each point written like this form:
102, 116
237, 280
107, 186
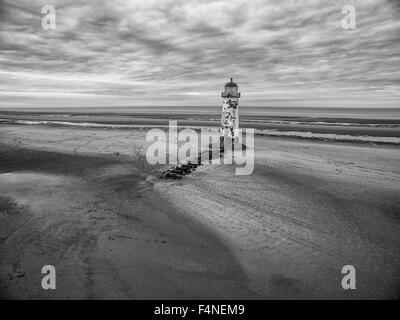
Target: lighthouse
230, 111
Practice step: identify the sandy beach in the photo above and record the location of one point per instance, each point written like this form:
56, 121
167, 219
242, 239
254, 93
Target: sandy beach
86, 201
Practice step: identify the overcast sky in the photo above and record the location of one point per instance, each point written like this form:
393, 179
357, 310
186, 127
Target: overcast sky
120, 53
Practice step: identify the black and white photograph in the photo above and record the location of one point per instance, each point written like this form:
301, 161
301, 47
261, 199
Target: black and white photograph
219, 150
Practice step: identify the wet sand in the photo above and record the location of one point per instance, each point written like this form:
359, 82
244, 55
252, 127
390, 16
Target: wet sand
86, 201
308, 209
98, 219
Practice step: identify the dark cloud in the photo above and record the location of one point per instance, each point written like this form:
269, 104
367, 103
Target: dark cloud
182, 51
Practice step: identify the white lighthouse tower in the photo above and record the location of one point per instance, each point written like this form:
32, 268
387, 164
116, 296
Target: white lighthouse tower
230, 111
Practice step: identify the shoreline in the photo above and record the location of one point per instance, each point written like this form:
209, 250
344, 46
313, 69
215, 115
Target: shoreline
382, 136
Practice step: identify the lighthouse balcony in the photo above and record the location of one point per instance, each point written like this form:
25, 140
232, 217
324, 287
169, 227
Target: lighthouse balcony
230, 94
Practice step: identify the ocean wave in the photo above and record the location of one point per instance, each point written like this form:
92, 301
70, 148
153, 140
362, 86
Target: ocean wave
92, 124
329, 137
326, 123
75, 124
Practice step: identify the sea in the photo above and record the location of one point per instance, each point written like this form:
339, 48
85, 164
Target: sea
361, 125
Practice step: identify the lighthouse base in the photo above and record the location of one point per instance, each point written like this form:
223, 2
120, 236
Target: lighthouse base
230, 144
